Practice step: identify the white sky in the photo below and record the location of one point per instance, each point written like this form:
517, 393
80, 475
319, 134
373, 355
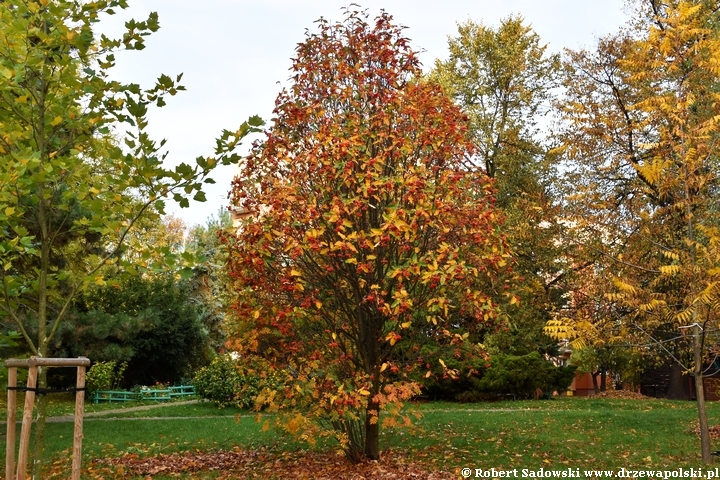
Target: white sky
235, 56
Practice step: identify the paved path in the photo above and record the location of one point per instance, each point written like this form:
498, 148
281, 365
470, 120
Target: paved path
105, 415
68, 419
136, 409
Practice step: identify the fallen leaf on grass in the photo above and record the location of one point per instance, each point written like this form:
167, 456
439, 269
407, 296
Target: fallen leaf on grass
714, 431
237, 463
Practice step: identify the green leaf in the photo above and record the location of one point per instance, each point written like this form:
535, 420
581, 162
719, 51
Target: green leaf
186, 273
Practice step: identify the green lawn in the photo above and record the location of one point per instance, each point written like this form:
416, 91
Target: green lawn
559, 433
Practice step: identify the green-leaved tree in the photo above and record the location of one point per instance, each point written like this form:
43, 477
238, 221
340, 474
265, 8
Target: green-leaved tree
70, 190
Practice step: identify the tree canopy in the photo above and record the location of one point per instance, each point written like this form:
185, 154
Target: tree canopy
78, 168
370, 237
641, 129
503, 78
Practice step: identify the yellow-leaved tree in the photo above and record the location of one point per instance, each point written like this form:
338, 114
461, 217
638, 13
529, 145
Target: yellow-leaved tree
642, 121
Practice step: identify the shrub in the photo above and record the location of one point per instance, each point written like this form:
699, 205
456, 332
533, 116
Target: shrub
218, 381
521, 376
104, 376
233, 382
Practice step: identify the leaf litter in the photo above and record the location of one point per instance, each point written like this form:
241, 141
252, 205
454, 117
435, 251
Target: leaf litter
246, 464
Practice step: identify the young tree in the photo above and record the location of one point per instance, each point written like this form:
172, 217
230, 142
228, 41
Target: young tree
644, 127
69, 194
371, 237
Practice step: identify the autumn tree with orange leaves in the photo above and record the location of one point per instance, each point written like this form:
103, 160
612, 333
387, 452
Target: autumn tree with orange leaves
373, 248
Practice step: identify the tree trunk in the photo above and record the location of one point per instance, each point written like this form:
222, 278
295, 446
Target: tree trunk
603, 378
700, 393
594, 376
677, 385
372, 432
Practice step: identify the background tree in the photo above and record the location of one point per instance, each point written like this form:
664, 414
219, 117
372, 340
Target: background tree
209, 284
371, 238
503, 78
150, 323
642, 130
69, 194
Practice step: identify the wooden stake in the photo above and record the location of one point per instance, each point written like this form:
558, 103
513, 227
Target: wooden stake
27, 421
10, 439
32, 365
78, 435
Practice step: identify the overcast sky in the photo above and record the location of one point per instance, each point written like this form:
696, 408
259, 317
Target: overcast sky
235, 56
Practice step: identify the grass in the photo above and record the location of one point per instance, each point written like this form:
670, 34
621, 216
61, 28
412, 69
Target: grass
560, 433
64, 404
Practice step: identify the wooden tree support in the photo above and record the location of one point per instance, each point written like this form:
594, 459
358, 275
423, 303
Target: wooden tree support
32, 365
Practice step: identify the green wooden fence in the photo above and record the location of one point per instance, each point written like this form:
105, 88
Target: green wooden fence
165, 395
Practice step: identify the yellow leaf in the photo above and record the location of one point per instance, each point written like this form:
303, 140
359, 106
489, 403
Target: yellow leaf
351, 260
406, 324
99, 280
362, 391
9, 211
256, 314
56, 121
442, 363
295, 273
427, 375
383, 367
21, 99
669, 269
318, 304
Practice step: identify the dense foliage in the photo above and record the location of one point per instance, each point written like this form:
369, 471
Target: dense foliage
503, 78
104, 376
227, 381
641, 130
78, 168
524, 376
148, 323
369, 237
